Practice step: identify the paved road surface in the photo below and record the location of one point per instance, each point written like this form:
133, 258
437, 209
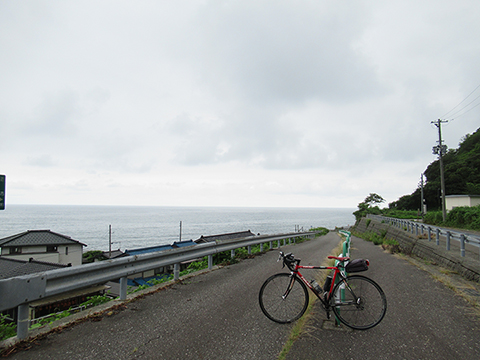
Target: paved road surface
424, 319
210, 316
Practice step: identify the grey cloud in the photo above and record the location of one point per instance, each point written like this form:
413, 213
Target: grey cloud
278, 52
43, 160
54, 116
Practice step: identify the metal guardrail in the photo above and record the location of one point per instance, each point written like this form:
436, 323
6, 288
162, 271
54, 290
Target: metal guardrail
20, 291
420, 229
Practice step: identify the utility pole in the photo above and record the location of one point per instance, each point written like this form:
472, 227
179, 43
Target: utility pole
422, 205
440, 150
180, 231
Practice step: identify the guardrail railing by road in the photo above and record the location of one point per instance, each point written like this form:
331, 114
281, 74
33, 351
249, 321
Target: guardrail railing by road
420, 229
20, 291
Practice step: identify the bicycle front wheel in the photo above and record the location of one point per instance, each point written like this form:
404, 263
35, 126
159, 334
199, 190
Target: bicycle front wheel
360, 303
283, 298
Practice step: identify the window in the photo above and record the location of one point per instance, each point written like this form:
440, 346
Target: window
52, 248
15, 250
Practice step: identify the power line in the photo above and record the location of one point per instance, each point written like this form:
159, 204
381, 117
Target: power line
473, 107
445, 115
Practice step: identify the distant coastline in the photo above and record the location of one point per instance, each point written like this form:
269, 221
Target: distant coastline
141, 226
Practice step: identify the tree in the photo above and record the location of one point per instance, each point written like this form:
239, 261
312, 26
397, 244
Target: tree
369, 206
372, 199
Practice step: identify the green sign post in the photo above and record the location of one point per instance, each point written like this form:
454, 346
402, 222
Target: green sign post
2, 192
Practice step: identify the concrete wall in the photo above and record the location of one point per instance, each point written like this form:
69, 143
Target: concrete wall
453, 201
421, 247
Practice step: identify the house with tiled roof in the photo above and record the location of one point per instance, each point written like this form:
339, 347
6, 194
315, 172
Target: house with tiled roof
42, 245
14, 267
228, 236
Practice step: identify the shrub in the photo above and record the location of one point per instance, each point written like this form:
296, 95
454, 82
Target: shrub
95, 300
7, 329
91, 256
320, 231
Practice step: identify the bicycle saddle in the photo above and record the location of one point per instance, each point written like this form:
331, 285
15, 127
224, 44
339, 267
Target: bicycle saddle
339, 258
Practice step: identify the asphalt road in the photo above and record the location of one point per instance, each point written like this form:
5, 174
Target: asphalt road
425, 319
211, 316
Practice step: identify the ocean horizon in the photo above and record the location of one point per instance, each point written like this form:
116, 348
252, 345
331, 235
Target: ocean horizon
142, 226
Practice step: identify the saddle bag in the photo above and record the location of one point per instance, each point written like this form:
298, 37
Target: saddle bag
357, 265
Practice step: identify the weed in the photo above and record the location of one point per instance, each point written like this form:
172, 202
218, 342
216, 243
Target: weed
7, 329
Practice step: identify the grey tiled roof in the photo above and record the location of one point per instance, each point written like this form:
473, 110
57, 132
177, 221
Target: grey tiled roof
38, 237
13, 267
235, 235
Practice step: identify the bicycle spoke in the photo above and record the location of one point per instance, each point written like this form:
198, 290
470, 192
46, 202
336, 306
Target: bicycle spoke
283, 298
360, 305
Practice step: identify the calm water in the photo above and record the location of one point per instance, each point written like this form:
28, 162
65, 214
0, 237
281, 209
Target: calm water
134, 227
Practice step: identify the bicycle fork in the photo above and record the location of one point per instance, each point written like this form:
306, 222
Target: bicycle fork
290, 286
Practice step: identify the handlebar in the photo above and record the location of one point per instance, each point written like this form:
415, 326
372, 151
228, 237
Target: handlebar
288, 259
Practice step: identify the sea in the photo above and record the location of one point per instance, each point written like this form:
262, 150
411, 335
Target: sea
131, 227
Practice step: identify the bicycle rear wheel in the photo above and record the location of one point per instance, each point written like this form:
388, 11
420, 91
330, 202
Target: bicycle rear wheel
283, 298
361, 305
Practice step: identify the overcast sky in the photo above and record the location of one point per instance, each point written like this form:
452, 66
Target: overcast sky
231, 103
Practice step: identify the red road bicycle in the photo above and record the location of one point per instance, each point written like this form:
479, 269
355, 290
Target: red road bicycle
357, 301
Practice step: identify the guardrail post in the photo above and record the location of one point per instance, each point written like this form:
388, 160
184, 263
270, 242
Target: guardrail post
462, 245
448, 240
249, 247
176, 271
271, 245
123, 288
261, 247
437, 231
429, 229
22, 321
210, 262
232, 254
416, 229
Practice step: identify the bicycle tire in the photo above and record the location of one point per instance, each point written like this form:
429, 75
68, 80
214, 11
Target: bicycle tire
364, 308
279, 308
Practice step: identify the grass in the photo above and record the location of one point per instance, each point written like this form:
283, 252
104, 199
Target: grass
390, 245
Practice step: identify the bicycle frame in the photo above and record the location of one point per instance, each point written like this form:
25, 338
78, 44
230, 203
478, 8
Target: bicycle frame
337, 272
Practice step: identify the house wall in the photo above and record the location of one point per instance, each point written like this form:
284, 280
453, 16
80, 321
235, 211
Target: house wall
62, 256
456, 201
48, 257
474, 201
71, 256
461, 200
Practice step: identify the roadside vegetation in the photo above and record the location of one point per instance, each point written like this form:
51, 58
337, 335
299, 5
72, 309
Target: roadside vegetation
92, 255
461, 218
464, 217
391, 245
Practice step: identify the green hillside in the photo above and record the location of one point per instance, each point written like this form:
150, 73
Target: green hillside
462, 176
